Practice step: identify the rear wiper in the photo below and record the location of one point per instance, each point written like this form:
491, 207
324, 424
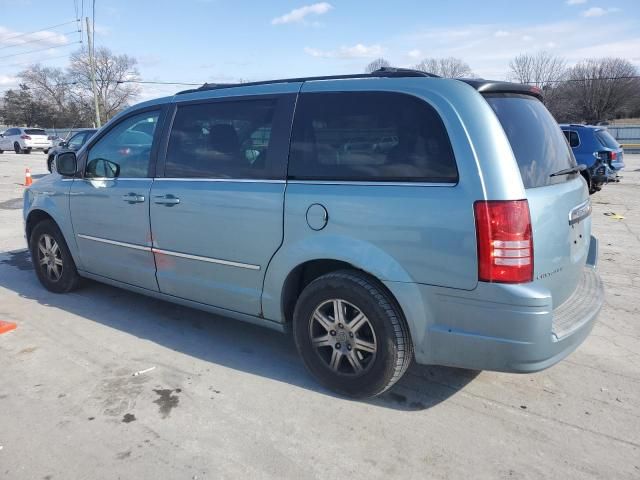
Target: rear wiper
568, 171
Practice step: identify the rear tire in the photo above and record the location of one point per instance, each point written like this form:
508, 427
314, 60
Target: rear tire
351, 334
51, 258
16, 148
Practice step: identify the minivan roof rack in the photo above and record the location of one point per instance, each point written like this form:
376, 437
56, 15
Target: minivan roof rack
384, 72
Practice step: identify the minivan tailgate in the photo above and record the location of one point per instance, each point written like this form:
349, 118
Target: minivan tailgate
561, 224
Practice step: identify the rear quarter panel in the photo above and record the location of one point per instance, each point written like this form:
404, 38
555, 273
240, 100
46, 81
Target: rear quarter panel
417, 233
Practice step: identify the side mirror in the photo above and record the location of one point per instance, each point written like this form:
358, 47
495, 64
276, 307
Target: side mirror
66, 164
102, 168
62, 144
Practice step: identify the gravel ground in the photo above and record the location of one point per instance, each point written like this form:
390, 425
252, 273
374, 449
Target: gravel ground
227, 399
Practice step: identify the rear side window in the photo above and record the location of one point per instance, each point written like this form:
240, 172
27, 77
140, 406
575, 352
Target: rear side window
34, 131
606, 139
228, 139
572, 138
536, 139
369, 136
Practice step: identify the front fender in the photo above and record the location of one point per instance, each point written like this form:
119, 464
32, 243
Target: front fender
50, 195
362, 255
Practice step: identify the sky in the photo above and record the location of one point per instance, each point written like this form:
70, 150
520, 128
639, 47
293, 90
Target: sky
196, 41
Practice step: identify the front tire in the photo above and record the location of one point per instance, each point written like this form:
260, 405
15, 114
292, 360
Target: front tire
351, 334
51, 258
49, 162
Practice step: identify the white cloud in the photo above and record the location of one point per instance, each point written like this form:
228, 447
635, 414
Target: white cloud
415, 53
298, 15
501, 33
527, 38
576, 2
356, 51
489, 55
43, 39
598, 11
8, 81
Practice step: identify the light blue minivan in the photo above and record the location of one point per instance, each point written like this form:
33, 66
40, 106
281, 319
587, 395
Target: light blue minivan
382, 217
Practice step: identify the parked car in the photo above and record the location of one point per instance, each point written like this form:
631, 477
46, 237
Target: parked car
24, 140
596, 148
54, 141
73, 144
467, 244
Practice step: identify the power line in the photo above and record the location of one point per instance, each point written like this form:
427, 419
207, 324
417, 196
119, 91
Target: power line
30, 62
93, 29
622, 77
41, 30
37, 40
40, 50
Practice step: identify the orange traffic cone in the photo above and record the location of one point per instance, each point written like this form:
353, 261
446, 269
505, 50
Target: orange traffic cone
27, 178
6, 326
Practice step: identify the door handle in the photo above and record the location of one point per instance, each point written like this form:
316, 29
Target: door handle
167, 200
133, 198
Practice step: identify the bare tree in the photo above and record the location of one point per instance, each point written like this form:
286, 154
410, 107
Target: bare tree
603, 87
377, 64
114, 76
449, 67
542, 69
50, 84
547, 72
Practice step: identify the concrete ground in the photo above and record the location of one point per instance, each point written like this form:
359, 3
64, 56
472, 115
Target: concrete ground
226, 399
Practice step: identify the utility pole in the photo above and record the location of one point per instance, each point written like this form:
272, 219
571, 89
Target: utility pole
92, 71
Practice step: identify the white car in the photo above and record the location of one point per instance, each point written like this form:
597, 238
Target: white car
24, 140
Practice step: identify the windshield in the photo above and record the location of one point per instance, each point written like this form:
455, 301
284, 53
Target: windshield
606, 139
35, 131
537, 142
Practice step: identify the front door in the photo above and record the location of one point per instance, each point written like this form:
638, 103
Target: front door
216, 216
110, 204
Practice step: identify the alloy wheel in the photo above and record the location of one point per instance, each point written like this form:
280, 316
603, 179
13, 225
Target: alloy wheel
50, 257
343, 337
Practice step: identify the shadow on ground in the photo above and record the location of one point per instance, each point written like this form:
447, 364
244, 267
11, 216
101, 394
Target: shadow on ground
215, 339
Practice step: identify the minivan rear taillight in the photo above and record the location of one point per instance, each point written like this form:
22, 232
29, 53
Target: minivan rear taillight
505, 243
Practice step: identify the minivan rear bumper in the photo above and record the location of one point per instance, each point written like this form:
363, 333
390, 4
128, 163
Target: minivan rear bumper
508, 328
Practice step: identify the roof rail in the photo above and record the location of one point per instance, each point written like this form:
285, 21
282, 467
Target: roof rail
384, 72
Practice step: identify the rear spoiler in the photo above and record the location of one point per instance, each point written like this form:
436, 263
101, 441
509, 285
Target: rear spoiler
492, 86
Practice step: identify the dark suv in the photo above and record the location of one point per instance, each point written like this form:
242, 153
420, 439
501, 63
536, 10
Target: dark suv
72, 144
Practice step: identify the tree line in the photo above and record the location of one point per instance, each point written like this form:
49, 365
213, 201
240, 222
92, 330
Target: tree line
591, 91
53, 97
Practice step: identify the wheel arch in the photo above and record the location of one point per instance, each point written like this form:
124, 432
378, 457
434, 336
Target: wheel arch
37, 214
298, 263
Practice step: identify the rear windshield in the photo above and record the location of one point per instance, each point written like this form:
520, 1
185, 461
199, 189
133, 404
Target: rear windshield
606, 139
537, 142
34, 131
